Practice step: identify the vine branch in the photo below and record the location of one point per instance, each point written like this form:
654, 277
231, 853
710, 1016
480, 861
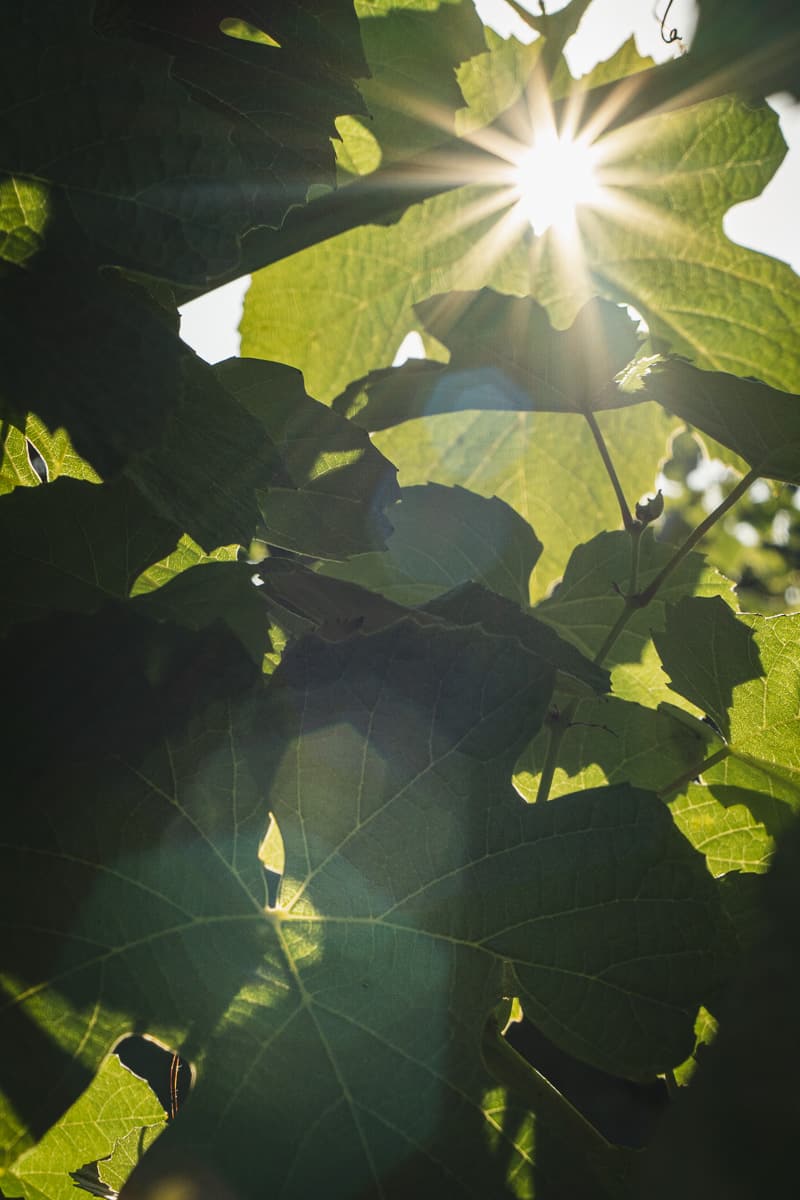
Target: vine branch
697, 534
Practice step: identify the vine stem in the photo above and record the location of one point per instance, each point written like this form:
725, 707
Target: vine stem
676, 785
632, 603
695, 536
627, 517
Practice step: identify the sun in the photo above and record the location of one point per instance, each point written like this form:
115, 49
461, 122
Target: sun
554, 177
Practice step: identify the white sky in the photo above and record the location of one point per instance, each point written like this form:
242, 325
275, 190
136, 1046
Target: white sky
769, 223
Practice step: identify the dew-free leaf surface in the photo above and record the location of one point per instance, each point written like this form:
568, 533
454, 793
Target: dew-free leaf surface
116, 1106
758, 423
338, 484
403, 917
743, 671
504, 354
544, 465
443, 537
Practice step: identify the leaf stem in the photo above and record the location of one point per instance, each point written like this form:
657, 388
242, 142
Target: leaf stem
677, 784
695, 536
627, 517
557, 726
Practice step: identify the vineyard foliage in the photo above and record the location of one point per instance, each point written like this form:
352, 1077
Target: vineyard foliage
348, 702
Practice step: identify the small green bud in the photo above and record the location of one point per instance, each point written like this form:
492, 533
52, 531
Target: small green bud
651, 510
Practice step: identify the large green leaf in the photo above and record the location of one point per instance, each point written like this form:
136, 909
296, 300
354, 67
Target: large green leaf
755, 421
504, 354
405, 911
338, 482
211, 460
443, 537
116, 1105
661, 248
744, 672
235, 122
412, 51
209, 592
312, 600
73, 545
186, 554
545, 466
587, 603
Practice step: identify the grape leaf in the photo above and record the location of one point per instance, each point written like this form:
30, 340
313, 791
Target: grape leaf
587, 603
757, 422
56, 456
748, 1076
504, 354
23, 218
412, 52
335, 608
610, 740
212, 458
339, 483
115, 1170
660, 248
744, 672
213, 591
227, 122
116, 1105
383, 957
545, 466
443, 537
186, 554
72, 545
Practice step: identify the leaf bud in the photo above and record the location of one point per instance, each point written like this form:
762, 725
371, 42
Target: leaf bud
651, 509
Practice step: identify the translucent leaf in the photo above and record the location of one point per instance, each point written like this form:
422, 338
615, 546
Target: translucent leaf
545, 466
116, 1105
384, 954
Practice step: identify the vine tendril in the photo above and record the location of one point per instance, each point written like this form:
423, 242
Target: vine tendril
672, 35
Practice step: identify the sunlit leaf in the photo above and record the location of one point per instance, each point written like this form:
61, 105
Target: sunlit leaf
115, 1106
744, 671
589, 600
545, 466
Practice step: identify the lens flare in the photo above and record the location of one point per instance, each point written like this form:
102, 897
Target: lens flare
553, 178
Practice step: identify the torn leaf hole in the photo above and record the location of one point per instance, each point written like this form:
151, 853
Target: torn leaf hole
169, 1075
273, 859
234, 27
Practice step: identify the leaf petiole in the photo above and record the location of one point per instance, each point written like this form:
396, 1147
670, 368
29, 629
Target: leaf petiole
628, 519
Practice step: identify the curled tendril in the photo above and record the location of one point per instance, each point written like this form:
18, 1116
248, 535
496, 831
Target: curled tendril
672, 35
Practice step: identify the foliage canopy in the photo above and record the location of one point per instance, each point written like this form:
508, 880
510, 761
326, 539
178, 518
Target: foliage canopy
354, 707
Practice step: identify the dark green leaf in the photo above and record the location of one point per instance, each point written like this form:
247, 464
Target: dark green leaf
72, 545
545, 466
504, 354
209, 592
338, 482
443, 537
412, 52
757, 422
